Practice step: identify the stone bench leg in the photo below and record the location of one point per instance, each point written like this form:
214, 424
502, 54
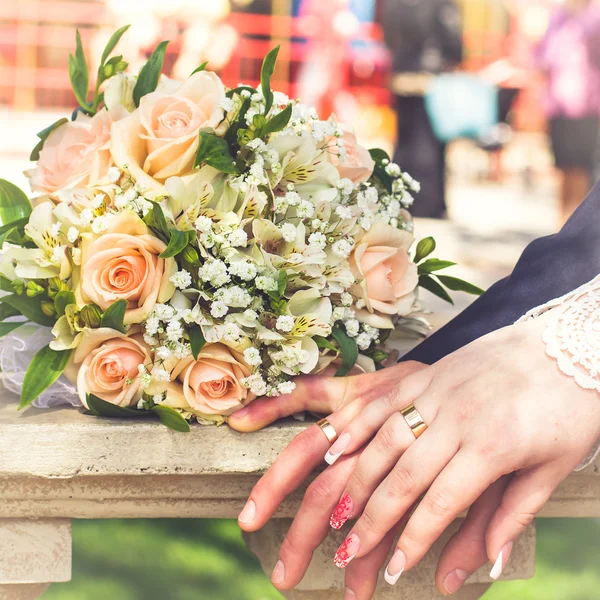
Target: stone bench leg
324, 581
33, 554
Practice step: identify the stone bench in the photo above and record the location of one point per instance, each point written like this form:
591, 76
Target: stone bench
60, 465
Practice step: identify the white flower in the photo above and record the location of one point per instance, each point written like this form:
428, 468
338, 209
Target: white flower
346, 186
318, 240
280, 205
86, 217
214, 271
363, 341
243, 269
97, 201
218, 309
157, 398
164, 312
256, 383
181, 280
342, 248
393, 170
252, 357
285, 323
72, 234
140, 404
316, 224
360, 303
145, 380
251, 315
371, 195
286, 387
114, 174
293, 198
232, 332
346, 299
150, 340
203, 224
174, 331
161, 374
226, 104
343, 212
238, 238
288, 231
352, 327
266, 283
408, 200
58, 254
99, 225
55, 229
163, 353
305, 209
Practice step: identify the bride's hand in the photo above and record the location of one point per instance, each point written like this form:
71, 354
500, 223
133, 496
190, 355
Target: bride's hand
495, 407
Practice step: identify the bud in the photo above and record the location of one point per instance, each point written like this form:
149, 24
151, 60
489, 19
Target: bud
33, 289
91, 315
18, 286
190, 256
48, 308
379, 356
119, 92
55, 286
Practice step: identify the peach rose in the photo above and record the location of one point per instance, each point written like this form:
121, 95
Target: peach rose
386, 276
160, 139
210, 385
356, 164
106, 364
75, 154
123, 262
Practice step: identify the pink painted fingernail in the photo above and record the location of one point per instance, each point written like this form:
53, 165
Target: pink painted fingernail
455, 580
395, 567
347, 551
501, 561
248, 513
278, 575
338, 448
341, 513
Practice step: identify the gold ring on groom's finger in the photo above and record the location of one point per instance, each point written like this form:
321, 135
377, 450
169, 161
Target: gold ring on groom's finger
328, 430
414, 420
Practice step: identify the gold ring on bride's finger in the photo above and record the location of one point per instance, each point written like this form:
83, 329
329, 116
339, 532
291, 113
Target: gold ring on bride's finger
414, 420
328, 430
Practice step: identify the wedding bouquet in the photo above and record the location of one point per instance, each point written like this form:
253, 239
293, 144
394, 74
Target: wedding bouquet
193, 247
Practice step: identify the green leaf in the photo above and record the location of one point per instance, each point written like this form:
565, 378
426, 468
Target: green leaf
424, 248
62, 300
177, 243
112, 42
79, 74
349, 350
114, 315
14, 204
101, 408
459, 285
29, 308
155, 219
434, 264
278, 122
6, 311
381, 159
150, 73
202, 67
426, 282
324, 343
282, 281
379, 155
6, 328
197, 340
45, 368
6, 284
214, 151
170, 418
239, 90
266, 73
43, 135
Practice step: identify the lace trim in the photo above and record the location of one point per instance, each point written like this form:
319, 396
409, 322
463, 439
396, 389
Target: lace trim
572, 337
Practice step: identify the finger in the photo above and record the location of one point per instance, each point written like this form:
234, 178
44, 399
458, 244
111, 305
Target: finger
461, 482
362, 573
465, 552
405, 391
525, 496
412, 475
290, 469
375, 463
310, 526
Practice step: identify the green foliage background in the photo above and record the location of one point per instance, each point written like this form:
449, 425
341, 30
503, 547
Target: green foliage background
206, 560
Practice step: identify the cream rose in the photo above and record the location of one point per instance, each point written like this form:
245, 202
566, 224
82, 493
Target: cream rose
106, 364
386, 276
355, 163
123, 263
75, 154
210, 385
160, 139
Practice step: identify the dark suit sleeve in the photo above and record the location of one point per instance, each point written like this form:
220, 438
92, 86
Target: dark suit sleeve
549, 267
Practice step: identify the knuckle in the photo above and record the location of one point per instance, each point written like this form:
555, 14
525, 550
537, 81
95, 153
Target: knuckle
304, 443
401, 482
387, 440
318, 492
438, 503
370, 523
290, 546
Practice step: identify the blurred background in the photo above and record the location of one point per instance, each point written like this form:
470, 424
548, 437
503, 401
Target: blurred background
492, 104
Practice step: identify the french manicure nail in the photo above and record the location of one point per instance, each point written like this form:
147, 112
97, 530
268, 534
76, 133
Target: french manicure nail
501, 561
248, 513
349, 595
347, 551
395, 567
278, 575
341, 513
455, 580
338, 448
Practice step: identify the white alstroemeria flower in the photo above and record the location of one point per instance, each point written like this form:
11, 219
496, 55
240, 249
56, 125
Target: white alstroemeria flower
118, 95
312, 313
188, 197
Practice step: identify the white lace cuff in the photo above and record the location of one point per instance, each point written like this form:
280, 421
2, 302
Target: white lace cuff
572, 337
